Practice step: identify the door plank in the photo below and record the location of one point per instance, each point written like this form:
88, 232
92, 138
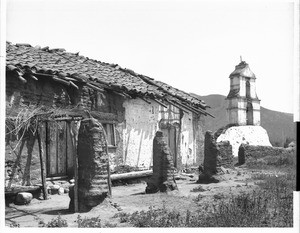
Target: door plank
70, 150
52, 155
61, 148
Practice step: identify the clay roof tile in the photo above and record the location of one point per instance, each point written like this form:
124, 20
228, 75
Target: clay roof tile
84, 69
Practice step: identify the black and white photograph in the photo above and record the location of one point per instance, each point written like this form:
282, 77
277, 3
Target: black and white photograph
127, 114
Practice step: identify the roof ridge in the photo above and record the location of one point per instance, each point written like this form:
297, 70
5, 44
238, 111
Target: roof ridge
73, 63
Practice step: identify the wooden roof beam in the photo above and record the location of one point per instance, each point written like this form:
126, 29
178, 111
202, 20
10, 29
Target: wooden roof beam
177, 106
157, 101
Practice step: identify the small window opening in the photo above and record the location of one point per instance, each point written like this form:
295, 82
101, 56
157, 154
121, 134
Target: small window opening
110, 133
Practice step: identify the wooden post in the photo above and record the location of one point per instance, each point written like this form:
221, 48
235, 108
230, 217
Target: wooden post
41, 140
75, 163
108, 167
108, 173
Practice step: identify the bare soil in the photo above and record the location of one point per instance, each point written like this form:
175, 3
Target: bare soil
132, 197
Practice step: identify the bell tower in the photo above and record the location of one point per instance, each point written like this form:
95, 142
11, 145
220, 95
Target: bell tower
243, 104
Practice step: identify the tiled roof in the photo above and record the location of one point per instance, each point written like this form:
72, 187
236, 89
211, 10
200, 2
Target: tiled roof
71, 68
242, 69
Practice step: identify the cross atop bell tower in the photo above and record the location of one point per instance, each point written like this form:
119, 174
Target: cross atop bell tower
243, 104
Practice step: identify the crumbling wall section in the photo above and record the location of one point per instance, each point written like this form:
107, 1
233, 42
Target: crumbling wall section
211, 154
163, 168
249, 152
225, 155
92, 165
216, 154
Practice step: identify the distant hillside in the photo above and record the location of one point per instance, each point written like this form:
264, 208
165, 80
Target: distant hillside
279, 125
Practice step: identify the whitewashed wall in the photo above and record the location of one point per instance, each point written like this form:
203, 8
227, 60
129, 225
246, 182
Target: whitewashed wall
141, 123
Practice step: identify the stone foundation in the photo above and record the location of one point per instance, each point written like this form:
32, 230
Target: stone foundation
163, 169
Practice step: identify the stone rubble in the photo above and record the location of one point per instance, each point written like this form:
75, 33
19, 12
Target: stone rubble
23, 198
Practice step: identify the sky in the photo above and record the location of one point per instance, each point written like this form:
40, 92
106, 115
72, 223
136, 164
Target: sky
191, 45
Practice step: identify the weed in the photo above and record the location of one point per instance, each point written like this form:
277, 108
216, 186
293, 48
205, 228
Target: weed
88, 222
93, 222
283, 161
218, 196
198, 189
124, 217
109, 225
55, 222
270, 206
198, 198
14, 224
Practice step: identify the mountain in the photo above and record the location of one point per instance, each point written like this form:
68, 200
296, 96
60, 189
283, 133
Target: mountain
279, 125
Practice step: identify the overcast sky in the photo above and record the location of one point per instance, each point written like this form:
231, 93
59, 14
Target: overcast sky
191, 45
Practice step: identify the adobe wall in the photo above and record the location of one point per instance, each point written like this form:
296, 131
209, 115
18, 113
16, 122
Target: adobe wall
163, 168
237, 135
141, 123
135, 127
27, 171
247, 152
198, 125
92, 165
225, 155
46, 92
216, 154
192, 140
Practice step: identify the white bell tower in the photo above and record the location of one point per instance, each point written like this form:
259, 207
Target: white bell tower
243, 104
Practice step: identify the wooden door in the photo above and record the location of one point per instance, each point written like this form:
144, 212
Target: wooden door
59, 149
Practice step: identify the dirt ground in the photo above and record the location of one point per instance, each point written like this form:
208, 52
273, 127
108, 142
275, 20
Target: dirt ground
132, 197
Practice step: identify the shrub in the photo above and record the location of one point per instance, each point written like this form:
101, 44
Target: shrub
198, 198
156, 218
57, 222
198, 189
270, 206
88, 222
109, 225
93, 222
14, 224
218, 196
285, 160
288, 140
124, 217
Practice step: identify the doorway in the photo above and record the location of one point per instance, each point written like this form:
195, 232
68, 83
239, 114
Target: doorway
170, 133
249, 113
59, 149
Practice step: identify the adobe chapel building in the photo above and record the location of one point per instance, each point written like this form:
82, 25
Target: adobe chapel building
58, 89
243, 111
